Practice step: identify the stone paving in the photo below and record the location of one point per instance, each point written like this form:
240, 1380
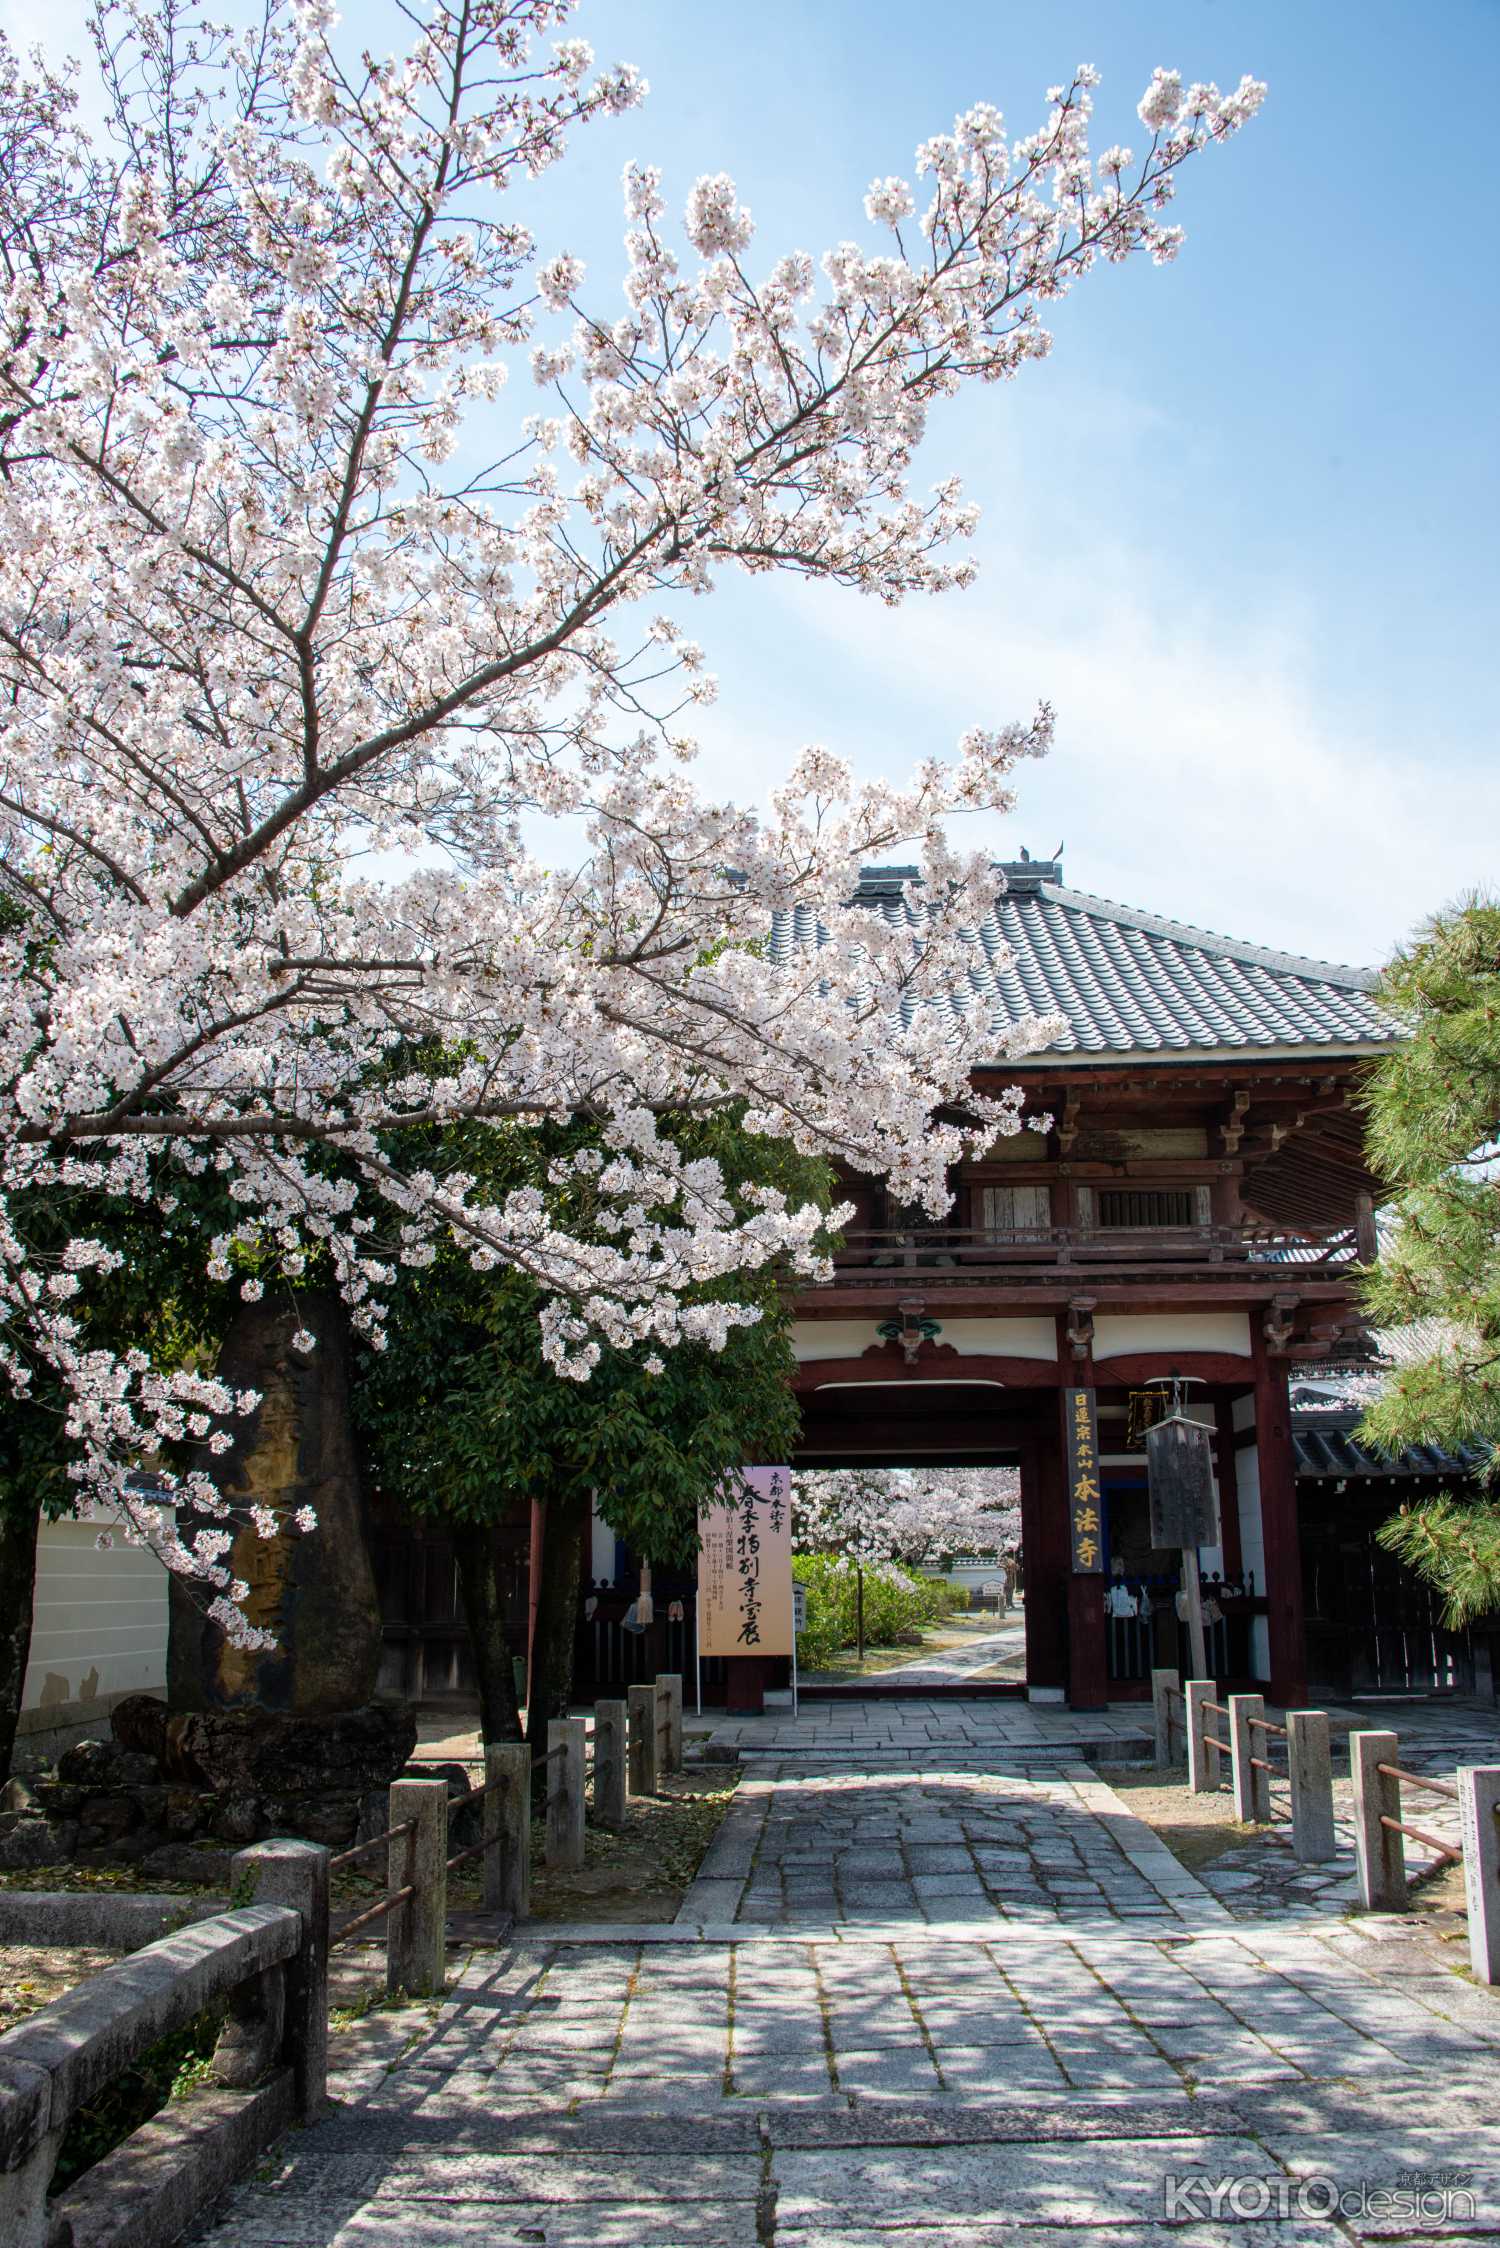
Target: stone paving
974, 2008
984, 1733
951, 1664
819, 1842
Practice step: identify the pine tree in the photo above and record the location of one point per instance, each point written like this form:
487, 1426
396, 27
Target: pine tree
1434, 1134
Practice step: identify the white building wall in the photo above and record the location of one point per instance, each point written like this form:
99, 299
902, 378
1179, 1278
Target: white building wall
99, 1626
1121, 1335
814, 1339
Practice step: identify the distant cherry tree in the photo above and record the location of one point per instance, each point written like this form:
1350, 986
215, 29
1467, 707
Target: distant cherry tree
287, 603
872, 1516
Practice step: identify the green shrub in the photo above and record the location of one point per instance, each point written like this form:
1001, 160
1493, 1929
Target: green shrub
897, 1606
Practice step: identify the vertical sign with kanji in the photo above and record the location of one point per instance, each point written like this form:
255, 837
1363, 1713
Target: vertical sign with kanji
1083, 1481
745, 1566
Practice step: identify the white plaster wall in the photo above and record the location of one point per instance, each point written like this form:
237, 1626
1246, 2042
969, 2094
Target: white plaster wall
99, 1619
832, 1338
1002, 1338
1118, 1337
813, 1339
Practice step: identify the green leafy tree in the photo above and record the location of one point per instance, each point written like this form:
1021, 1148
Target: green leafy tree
1434, 1123
461, 1415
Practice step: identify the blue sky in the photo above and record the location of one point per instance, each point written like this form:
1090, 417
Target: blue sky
1240, 527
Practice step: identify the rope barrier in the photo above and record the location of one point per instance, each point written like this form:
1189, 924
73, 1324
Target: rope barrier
376, 1842
1433, 1787
376, 1912
1443, 1849
1264, 1725
1211, 1740
478, 1794
462, 1857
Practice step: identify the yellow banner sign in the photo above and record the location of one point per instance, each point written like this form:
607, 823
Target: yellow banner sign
745, 1566
1085, 1501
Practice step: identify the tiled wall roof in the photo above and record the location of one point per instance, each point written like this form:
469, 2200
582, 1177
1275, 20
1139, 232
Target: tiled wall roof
1128, 982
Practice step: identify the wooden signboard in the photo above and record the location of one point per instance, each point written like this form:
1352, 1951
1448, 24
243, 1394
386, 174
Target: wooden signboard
1180, 1471
1084, 1513
1184, 1511
745, 1567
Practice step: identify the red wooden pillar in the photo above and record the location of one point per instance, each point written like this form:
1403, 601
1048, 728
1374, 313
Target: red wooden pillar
1229, 1489
1278, 1518
745, 1684
1044, 1544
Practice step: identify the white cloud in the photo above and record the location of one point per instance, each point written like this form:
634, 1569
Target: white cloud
1198, 772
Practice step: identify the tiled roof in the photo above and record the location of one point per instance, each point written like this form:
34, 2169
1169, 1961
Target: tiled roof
1127, 982
1332, 1450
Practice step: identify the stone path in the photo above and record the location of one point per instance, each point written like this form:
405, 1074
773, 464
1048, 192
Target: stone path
1011, 1733
950, 2008
822, 1842
955, 1663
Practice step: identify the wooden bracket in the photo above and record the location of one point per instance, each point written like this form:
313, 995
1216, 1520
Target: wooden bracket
912, 1329
1232, 1130
1080, 1327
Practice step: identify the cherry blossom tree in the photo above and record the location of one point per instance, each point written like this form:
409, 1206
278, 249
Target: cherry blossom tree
875, 1515
286, 603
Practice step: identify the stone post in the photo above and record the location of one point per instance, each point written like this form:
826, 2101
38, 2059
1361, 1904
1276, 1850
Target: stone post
1252, 1791
609, 1763
1202, 1756
416, 1932
507, 1829
1379, 1851
1164, 1683
1310, 1767
296, 1874
316, 1596
28, 2154
669, 1718
642, 1740
565, 1803
1479, 1802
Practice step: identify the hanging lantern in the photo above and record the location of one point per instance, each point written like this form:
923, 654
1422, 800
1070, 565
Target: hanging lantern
1143, 1409
1180, 1475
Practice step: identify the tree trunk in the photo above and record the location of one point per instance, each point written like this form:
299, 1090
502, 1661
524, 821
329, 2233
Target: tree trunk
483, 1598
556, 1612
18, 1532
315, 1594
859, 1610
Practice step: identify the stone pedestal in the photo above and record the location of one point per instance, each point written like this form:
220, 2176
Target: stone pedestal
316, 1593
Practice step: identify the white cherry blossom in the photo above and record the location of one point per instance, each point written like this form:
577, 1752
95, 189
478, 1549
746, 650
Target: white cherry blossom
285, 601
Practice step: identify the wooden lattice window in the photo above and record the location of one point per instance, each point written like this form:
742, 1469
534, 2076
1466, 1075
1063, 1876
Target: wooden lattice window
1140, 1208
1003, 1210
